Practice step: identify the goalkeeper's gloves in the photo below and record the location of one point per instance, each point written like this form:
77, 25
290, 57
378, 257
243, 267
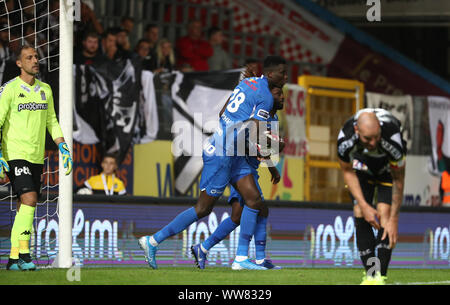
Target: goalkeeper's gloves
67, 159
4, 167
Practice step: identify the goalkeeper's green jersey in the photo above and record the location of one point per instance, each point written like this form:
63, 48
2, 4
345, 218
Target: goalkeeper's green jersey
25, 113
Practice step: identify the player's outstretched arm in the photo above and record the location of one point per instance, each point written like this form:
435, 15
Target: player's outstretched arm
350, 178
65, 153
398, 183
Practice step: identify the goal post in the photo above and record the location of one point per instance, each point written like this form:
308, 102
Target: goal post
67, 13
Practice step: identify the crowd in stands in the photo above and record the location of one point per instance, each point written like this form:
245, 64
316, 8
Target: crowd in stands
200, 50
36, 24
157, 54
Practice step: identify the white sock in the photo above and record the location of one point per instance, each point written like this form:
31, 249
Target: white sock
203, 249
152, 241
240, 258
259, 261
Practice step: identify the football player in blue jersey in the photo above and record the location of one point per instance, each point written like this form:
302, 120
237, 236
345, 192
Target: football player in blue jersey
227, 226
224, 160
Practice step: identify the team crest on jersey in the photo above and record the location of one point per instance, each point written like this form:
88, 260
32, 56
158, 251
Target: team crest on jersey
43, 95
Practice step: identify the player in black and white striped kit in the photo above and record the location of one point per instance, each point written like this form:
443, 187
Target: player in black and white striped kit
372, 155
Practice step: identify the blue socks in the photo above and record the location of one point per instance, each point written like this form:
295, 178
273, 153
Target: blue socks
248, 225
225, 227
251, 224
260, 237
181, 222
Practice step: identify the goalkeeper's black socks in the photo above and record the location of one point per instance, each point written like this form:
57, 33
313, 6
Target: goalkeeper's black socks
365, 240
26, 257
384, 252
11, 262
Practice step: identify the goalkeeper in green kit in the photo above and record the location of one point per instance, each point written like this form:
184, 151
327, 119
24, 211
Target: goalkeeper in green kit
26, 111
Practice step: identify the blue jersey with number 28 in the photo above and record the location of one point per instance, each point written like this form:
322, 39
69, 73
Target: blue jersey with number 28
250, 99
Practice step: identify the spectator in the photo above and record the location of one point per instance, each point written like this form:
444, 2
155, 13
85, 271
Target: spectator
109, 44
8, 67
220, 59
88, 19
88, 23
127, 23
192, 50
165, 58
151, 34
142, 53
89, 3
106, 182
34, 40
89, 54
6, 12
11, 47
15, 43
444, 189
4, 38
13, 16
142, 49
123, 41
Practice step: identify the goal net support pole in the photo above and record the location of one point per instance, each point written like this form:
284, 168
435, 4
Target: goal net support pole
66, 17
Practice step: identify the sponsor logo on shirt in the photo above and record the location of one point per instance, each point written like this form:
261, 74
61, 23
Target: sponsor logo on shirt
395, 153
253, 87
18, 171
263, 114
214, 191
21, 95
32, 106
342, 148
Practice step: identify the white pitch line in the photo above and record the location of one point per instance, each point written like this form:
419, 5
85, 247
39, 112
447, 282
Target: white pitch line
423, 283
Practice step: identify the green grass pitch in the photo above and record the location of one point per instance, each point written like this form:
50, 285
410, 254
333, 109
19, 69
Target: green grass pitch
218, 276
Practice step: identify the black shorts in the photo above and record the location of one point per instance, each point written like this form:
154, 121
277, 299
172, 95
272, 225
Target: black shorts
375, 189
25, 177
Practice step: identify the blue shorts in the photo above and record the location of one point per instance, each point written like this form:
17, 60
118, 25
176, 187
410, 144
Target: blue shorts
234, 194
219, 171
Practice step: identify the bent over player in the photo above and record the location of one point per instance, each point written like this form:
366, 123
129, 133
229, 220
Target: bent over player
372, 154
26, 111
